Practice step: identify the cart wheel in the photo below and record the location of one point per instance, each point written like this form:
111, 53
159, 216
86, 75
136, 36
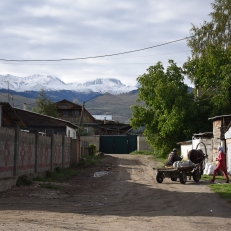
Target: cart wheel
173, 178
183, 177
196, 175
159, 177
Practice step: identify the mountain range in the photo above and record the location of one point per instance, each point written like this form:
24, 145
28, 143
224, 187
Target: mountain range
101, 96
51, 83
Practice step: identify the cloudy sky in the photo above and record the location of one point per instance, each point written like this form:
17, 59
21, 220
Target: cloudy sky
72, 29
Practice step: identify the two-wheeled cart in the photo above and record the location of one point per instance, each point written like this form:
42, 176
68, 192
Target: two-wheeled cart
195, 171
181, 173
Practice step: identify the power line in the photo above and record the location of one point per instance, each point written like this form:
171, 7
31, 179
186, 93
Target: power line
92, 57
132, 57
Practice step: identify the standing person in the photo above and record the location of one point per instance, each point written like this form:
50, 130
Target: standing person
221, 165
172, 157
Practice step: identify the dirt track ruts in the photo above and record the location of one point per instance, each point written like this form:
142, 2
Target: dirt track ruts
127, 198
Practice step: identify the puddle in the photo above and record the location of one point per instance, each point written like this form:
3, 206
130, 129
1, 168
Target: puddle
99, 174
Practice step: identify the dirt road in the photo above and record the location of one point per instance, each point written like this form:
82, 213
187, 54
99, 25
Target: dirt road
126, 197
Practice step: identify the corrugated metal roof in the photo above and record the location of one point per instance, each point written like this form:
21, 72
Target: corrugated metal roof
12, 113
218, 117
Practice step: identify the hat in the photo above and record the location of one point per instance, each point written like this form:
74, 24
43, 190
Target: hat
174, 150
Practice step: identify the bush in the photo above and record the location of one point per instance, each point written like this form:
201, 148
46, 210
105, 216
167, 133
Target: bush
89, 160
24, 180
92, 149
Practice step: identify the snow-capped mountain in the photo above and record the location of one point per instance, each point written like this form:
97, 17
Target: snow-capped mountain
52, 83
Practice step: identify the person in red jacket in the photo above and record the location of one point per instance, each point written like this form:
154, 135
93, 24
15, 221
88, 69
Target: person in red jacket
221, 165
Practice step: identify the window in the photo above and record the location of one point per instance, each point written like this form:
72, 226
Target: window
86, 130
68, 133
65, 113
75, 113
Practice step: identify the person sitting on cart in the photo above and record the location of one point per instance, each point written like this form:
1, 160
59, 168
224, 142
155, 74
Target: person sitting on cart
172, 157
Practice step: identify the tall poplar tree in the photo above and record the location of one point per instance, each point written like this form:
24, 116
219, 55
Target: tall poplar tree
209, 67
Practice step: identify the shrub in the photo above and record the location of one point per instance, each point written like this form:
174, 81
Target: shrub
92, 149
24, 180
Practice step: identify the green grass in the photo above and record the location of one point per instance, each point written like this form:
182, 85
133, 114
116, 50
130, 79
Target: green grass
159, 159
24, 180
58, 175
222, 189
89, 160
208, 177
142, 152
50, 186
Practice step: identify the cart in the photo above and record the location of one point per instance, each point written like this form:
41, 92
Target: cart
194, 171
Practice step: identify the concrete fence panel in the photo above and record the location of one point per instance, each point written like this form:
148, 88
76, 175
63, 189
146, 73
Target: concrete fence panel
26, 160
7, 140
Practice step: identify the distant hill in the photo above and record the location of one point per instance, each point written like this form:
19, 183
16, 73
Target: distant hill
116, 105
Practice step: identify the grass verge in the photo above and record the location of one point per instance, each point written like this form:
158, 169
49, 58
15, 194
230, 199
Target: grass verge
50, 186
159, 159
89, 160
222, 189
58, 175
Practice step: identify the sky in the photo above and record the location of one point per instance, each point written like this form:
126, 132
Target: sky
78, 29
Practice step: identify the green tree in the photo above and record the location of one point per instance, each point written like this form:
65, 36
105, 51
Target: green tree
216, 32
209, 68
165, 107
45, 106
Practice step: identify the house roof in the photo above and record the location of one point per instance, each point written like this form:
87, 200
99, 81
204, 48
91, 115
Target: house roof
74, 105
188, 142
102, 117
12, 113
219, 117
204, 134
65, 121
67, 106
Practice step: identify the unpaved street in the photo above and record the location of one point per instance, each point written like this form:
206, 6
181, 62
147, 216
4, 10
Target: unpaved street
127, 198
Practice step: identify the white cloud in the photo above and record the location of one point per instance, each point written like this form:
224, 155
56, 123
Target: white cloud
52, 29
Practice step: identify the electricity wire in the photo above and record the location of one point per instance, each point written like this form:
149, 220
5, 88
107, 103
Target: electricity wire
92, 57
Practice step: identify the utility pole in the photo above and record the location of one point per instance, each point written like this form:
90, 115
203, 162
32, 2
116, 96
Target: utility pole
80, 122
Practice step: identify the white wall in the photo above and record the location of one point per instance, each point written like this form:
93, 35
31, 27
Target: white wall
71, 132
185, 148
229, 158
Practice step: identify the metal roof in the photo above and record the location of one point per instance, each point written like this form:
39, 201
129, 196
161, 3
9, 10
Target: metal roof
12, 113
218, 117
66, 121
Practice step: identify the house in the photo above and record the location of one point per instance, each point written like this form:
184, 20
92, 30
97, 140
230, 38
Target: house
42, 123
220, 125
76, 114
9, 117
228, 148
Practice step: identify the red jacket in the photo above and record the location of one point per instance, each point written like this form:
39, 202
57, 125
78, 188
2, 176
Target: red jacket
221, 161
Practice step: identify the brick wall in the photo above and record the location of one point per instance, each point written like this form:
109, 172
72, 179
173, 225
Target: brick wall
26, 153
